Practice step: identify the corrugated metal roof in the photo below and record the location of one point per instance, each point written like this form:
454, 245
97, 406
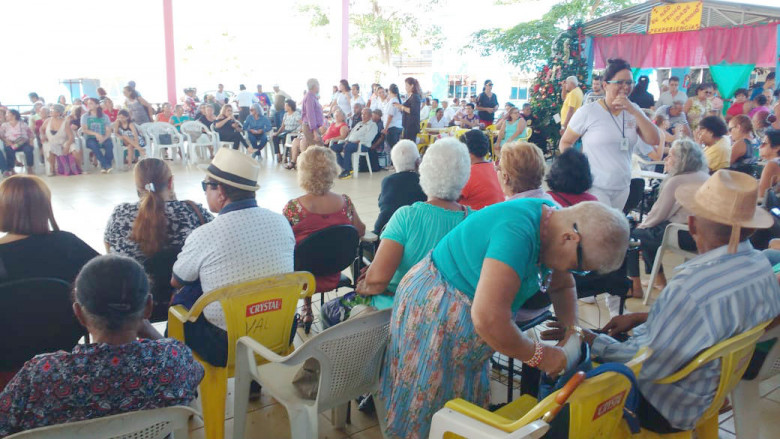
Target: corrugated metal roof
714, 14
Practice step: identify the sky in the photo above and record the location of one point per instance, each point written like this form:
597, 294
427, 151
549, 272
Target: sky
229, 41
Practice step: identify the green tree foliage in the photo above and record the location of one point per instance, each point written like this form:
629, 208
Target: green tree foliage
383, 26
545, 93
528, 44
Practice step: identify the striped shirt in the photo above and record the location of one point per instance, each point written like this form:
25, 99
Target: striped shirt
711, 298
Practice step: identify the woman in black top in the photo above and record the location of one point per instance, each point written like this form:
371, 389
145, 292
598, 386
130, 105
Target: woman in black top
411, 109
34, 246
229, 129
487, 104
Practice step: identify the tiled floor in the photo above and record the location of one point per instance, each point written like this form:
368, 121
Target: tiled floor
82, 205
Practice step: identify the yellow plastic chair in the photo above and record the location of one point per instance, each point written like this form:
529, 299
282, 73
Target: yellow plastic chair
424, 139
263, 310
734, 355
596, 411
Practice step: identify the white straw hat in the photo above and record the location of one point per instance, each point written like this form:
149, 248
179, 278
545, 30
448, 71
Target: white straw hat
233, 168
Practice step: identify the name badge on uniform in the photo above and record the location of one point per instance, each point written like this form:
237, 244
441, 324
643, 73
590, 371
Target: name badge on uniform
624, 144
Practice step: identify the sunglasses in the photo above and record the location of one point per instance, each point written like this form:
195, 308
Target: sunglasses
579, 271
622, 82
205, 184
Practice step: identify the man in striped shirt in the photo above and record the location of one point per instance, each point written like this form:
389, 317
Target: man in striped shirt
726, 290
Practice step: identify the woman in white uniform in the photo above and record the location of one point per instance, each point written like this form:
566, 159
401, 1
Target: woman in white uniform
610, 129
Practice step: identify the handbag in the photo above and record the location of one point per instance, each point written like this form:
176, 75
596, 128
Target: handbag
165, 139
339, 309
307, 380
197, 211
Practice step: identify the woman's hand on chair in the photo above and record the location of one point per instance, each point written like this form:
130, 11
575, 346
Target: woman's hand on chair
622, 323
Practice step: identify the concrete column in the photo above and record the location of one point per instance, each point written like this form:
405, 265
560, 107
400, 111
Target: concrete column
170, 60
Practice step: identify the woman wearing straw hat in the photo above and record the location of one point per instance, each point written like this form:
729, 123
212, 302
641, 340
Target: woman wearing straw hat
726, 290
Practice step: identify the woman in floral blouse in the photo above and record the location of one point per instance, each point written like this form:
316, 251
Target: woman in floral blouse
158, 220
319, 208
128, 367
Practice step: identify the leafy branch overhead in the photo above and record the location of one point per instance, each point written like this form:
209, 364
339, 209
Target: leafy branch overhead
528, 44
383, 26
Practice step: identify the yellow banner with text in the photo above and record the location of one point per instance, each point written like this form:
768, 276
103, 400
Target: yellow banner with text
677, 17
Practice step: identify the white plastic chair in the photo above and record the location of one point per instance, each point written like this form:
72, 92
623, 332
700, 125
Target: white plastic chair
119, 152
80, 143
156, 129
288, 142
145, 424
745, 397
199, 138
669, 243
356, 161
350, 356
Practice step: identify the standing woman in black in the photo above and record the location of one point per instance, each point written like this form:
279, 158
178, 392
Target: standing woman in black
411, 109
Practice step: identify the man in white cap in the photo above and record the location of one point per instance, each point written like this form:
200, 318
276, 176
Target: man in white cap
245, 242
572, 100
726, 290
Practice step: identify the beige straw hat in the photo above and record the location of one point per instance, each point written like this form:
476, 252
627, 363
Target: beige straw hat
233, 168
727, 197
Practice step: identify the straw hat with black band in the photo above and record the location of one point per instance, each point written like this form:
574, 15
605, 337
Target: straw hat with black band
233, 168
729, 198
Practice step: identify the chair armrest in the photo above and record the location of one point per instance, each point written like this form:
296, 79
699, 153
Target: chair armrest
261, 350
180, 312
369, 237
534, 430
478, 413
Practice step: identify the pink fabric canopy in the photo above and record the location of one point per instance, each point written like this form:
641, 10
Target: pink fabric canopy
738, 45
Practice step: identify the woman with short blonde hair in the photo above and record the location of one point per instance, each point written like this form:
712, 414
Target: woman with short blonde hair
319, 209
521, 171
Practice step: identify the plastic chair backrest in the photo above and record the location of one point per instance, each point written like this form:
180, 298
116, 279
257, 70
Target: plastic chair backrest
145, 424
596, 407
159, 267
155, 129
327, 251
261, 309
36, 317
350, 356
671, 238
734, 354
635, 194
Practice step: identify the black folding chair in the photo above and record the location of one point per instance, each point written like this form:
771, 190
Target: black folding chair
159, 268
328, 251
36, 317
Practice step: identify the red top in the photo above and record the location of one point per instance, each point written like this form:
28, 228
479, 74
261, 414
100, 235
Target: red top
483, 188
333, 131
736, 109
304, 223
161, 117
566, 199
111, 114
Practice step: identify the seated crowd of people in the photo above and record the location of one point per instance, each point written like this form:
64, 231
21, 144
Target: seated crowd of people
468, 238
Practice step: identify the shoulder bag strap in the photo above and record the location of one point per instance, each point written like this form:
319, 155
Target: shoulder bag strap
568, 203
197, 211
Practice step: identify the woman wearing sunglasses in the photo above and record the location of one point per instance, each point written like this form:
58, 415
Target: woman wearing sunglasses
459, 302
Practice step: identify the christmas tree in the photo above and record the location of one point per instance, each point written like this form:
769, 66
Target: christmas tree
545, 94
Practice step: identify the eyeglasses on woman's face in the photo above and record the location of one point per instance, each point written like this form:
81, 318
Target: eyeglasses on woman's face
622, 83
579, 271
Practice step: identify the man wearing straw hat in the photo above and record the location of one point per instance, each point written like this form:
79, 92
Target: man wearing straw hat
726, 290
245, 242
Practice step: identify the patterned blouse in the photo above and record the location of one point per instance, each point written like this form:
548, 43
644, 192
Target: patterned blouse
182, 220
292, 121
304, 223
99, 380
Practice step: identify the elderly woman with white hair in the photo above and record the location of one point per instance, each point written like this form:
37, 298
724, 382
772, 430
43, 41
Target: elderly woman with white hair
319, 208
401, 188
257, 127
458, 303
413, 231
685, 163
57, 139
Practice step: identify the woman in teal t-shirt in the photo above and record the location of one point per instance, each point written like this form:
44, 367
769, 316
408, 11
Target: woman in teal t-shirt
414, 230
455, 308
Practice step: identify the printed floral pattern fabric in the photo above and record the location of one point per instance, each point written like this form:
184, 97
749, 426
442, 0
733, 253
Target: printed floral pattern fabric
182, 220
447, 359
99, 380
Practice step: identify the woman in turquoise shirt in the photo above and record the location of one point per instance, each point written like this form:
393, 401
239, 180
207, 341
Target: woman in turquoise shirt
455, 308
414, 230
